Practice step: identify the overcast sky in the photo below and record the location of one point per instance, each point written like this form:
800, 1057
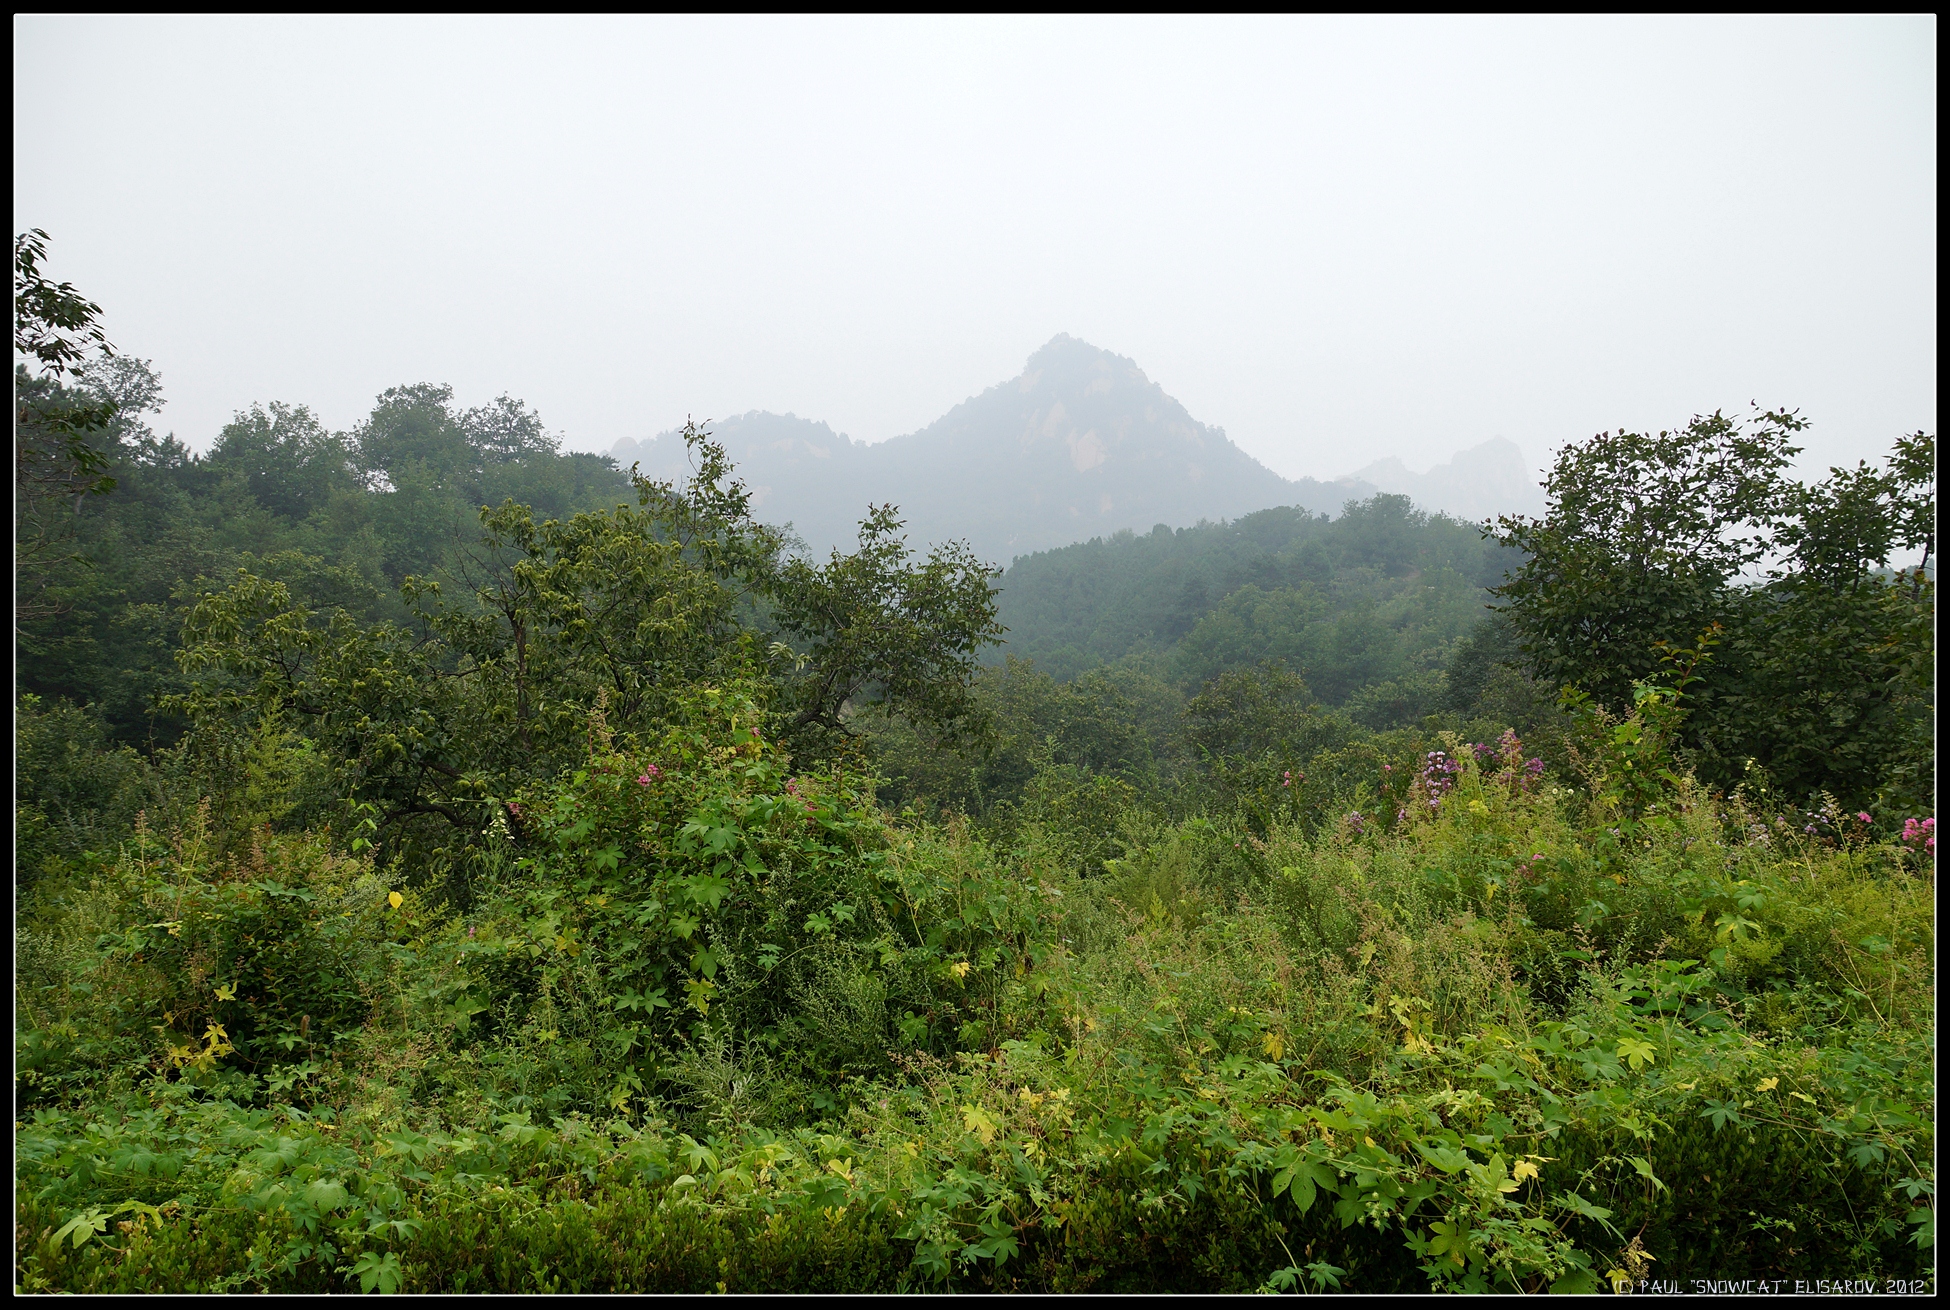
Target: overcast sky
1337, 239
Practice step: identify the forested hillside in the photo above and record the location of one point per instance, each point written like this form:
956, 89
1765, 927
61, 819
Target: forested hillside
1377, 594
445, 865
350, 515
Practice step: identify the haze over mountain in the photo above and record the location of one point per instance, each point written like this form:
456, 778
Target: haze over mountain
1476, 484
1079, 445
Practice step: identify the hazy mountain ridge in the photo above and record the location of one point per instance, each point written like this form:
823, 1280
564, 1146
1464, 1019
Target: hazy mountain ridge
1080, 444
1481, 482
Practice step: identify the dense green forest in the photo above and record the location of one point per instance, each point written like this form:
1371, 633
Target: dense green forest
448, 864
1380, 593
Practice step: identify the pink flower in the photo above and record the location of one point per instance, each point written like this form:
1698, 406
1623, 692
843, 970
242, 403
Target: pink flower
649, 775
1864, 816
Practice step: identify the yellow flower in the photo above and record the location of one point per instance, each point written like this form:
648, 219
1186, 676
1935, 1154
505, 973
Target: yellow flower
395, 900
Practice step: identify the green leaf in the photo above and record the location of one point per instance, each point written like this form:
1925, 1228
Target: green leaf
1635, 1052
378, 1273
1449, 1239
83, 1226
706, 890
326, 1195
1446, 1158
1721, 1113
1573, 1202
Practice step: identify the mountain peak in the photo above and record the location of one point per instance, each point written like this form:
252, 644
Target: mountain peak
1065, 360
1080, 444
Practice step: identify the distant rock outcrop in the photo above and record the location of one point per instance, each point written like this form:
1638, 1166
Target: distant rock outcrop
1478, 483
1082, 444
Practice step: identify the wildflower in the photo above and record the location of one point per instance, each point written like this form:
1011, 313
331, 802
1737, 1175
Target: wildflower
1355, 822
1286, 778
1863, 815
649, 775
470, 930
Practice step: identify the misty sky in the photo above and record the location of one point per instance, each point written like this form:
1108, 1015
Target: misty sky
1337, 239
